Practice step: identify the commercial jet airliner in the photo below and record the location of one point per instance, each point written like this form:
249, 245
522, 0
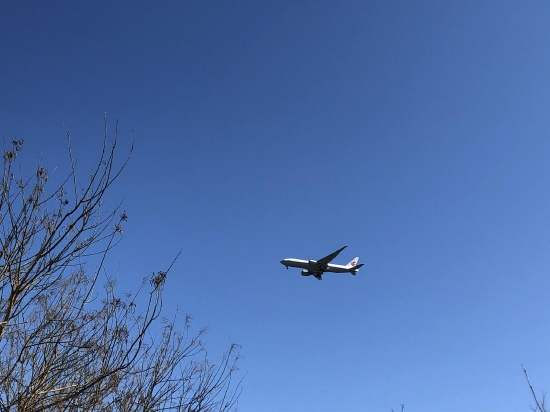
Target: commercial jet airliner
318, 267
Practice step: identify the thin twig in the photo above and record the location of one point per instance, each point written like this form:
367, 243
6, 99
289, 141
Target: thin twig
532, 390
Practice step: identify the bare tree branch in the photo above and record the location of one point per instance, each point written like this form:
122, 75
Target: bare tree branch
540, 405
64, 344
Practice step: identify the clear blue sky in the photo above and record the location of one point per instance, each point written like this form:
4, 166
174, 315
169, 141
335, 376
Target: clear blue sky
417, 133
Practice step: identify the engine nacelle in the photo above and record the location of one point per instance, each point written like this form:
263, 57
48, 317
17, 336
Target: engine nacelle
306, 273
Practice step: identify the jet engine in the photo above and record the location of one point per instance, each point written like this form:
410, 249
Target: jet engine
306, 273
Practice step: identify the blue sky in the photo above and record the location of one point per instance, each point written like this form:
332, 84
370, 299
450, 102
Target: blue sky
416, 133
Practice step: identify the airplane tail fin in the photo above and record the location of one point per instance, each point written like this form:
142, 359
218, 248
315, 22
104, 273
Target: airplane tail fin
353, 263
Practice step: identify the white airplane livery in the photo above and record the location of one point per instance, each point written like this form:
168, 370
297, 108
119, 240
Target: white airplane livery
318, 267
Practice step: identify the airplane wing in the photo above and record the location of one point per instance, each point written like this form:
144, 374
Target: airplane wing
327, 259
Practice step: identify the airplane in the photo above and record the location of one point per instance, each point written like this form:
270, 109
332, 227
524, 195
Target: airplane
318, 267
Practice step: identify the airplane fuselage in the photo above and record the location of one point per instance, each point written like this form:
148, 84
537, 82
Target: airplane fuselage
312, 266
318, 267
